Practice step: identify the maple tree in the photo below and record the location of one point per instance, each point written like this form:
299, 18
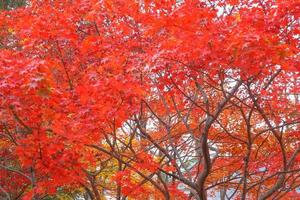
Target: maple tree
149, 99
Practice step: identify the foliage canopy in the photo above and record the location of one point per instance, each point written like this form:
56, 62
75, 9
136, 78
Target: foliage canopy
149, 99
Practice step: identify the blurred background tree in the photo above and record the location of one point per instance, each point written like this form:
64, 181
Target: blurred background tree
11, 4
